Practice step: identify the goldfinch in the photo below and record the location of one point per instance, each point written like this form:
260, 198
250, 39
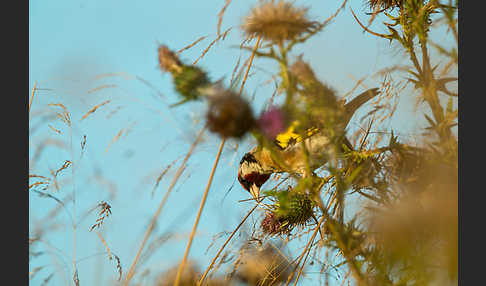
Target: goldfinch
258, 165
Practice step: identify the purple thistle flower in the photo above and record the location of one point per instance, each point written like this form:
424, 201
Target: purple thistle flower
272, 122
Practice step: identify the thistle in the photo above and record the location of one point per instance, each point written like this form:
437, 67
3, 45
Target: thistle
384, 4
291, 209
272, 122
277, 22
229, 115
188, 79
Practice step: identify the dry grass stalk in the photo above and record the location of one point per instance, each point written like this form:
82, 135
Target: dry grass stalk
365, 28
150, 228
117, 137
92, 110
212, 43
65, 116
111, 255
181, 266
250, 63
101, 87
54, 129
64, 166
191, 45
317, 229
35, 271
32, 96
221, 14
224, 245
203, 202
162, 174
47, 279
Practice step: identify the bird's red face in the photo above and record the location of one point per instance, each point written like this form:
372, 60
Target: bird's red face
251, 175
252, 182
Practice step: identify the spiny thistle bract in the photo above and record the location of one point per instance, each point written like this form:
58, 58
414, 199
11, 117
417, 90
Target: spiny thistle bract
277, 21
229, 115
188, 79
291, 209
384, 4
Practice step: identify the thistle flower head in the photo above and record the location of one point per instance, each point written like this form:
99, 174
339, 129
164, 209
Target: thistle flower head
229, 115
189, 81
168, 60
272, 122
277, 21
271, 224
384, 4
292, 209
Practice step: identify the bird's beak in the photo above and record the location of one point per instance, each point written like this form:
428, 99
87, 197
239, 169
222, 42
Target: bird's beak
255, 191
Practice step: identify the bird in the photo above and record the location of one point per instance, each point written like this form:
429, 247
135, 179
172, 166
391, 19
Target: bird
257, 165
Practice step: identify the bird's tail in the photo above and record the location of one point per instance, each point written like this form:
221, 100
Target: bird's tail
351, 107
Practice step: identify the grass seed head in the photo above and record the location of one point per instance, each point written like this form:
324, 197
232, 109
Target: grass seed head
277, 21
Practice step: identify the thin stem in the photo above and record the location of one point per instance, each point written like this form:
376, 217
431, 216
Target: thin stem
351, 262
225, 243
181, 266
73, 218
305, 249
203, 202
159, 209
249, 64
366, 29
32, 96
303, 264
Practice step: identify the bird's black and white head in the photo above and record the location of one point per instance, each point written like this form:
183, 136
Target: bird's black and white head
251, 174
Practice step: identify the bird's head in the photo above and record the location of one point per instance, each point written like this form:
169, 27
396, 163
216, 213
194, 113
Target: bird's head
251, 174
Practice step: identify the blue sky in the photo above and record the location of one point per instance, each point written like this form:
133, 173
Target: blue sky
78, 46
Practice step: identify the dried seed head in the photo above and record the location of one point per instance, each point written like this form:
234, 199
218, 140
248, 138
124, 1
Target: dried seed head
168, 60
302, 71
277, 22
263, 266
384, 4
229, 115
189, 277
